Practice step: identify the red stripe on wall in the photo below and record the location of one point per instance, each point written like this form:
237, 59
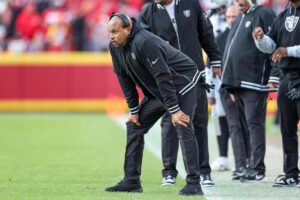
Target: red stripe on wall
59, 82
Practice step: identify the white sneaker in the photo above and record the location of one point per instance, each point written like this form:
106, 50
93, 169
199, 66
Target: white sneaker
168, 180
206, 181
220, 164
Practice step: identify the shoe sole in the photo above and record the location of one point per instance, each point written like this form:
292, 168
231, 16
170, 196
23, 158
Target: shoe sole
207, 185
196, 194
236, 178
253, 181
288, 186
167, 184
131, 191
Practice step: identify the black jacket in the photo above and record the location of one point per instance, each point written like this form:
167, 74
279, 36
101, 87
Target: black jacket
244, 66
221, 40
194, 30
156, 67
287, 38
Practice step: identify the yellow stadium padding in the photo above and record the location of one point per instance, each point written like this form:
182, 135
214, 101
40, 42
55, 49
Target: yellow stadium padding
110, 105
114, 105
55, 59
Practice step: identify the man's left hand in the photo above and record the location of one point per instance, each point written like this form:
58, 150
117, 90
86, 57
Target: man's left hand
279, 53
180, 118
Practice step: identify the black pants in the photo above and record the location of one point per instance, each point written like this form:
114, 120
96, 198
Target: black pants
150, 111
289, 114
170, 142
252, 105
224, 137
238, 130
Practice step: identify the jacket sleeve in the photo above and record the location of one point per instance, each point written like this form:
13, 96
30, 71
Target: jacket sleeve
269, 25
266, 20
153, 57
127, 85
206, 37
272, 33
275, 74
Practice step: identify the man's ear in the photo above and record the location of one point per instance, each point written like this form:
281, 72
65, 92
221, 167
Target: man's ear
129, 28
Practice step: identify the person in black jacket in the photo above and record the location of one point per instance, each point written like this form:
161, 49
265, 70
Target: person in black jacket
245, 75
231, 124
186, 27
284, 42
167, 78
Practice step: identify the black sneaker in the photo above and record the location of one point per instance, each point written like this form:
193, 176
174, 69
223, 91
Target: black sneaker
206, 181
124, 186
237, 174
253, 176
191, 189
284, 181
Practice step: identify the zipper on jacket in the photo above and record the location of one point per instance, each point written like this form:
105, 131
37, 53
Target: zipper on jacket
263, 74
179, 47
230, 45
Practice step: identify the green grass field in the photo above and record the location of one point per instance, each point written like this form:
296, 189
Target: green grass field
76, 156
69, 156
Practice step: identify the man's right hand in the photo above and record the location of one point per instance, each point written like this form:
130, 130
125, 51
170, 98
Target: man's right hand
134, 118
258, 33
180, 118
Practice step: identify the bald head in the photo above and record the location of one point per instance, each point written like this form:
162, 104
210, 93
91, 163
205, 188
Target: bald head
126, 21
231, 13
119, 28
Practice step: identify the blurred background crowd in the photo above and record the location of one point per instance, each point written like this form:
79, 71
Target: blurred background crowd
68, 25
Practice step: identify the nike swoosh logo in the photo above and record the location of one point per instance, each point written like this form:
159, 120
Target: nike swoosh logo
153, 62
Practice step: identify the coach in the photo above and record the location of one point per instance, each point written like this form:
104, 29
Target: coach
167, 78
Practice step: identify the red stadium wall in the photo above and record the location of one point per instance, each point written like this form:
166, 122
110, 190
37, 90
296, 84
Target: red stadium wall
58, 82
62, 82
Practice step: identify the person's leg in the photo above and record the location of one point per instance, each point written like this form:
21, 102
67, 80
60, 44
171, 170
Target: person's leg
288, 119
240, 103
221, 163
255, 113
254, 104
200, 123
170, 144
189, 146
235, 130
150, 111
186, 135
223, 138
